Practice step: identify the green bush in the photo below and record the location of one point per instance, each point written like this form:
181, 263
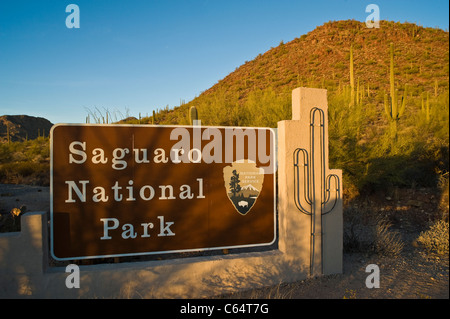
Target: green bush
25, 173
435, 239
22, 168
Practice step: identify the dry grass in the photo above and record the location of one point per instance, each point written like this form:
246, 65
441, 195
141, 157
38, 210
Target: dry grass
368, 231
387, 241
435, 239
280, 291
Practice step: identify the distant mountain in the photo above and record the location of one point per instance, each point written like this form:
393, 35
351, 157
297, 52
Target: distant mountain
22, 127
249, 187
248, 191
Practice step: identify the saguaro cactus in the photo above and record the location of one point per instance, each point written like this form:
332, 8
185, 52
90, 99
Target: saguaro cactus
193, 115
352, 78
153, 117
394, 110
426, 110
8, 136
314, 197
392, 81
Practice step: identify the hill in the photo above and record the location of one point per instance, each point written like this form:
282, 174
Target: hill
321, 59
362, 143
23, 127
374, 149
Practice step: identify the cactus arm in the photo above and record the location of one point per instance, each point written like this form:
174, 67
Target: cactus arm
395, 105
402, 108
403, 105
297, 188
328, 192
387, 109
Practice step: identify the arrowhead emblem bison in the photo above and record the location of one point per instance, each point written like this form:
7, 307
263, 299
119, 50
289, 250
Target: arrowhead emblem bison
243, 183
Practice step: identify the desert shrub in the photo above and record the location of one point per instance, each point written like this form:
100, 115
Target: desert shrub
356, 224
444, 202
362, 144
387, 241
21, 168
436, 238
25, 173
25, 162
367, 231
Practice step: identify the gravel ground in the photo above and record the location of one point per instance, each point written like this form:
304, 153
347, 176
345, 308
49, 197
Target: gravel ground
35, 198
411, 275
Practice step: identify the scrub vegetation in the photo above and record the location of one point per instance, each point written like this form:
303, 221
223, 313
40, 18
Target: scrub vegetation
388, 99
388, 126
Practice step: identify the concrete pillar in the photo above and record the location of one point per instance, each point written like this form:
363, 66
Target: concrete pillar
22, 256
307, 186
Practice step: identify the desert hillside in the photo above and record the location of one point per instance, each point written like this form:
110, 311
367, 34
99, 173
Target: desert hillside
15, 128
321, 58
395, 160
376, 150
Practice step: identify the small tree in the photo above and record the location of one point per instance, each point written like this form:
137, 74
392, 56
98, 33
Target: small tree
234, 184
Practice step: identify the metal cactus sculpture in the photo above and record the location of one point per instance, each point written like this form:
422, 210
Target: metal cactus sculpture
314, 196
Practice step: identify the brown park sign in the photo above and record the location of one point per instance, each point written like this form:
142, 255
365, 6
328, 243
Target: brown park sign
122, 190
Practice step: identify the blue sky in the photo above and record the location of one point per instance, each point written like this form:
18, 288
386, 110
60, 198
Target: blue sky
137, 56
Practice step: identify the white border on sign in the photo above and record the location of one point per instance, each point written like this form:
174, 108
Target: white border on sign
274, 161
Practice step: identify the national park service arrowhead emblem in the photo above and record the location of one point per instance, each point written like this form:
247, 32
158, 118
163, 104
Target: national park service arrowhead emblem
243, 184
